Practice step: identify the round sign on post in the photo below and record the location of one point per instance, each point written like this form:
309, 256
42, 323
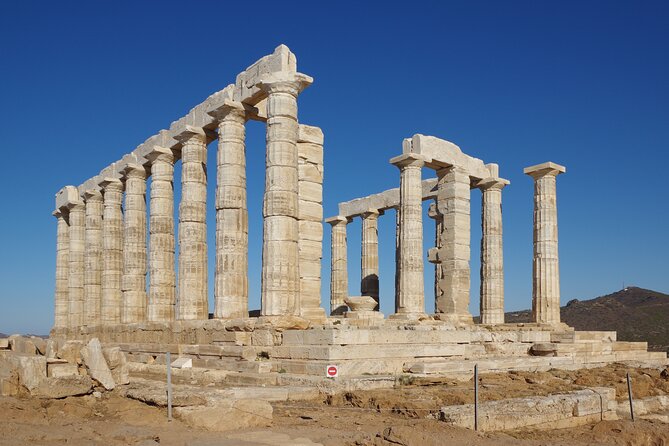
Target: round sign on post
331, 371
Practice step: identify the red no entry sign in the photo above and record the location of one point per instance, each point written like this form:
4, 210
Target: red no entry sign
331, 371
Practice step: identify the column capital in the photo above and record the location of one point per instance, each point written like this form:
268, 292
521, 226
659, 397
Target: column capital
229, 110
191, 132
109, 183
59, 213
76, 205
492, 183
159, 153
371, 213
92, 195
336, 220
409, 160
291, 83
543, 169
433, 211
133, 170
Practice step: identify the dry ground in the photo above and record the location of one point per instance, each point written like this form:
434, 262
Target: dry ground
375, 417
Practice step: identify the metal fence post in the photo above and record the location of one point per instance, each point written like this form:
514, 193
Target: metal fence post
168, 358
476, 397
629, 392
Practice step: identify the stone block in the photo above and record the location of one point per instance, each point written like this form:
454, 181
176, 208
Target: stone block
310, 134
182, 363
61, 370
310, 153
262, 338
311, 230
309, 191
96, 364
310, 172
71, 351
4, 343
22, 345
227, 415
118, 364
63, 386
31, 369
310, 211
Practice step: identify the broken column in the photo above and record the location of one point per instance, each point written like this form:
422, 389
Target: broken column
280, 287
77, 220
93, 257
231, 285
435, 215
411, 299
193, 299
62, 269
112, 248
545, 264
133, 281
492, 257
369, 259
453, 197
338, 265
162, 276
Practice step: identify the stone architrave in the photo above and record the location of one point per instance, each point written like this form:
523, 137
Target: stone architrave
93, 258
61, 308
280, 288
411, 298
369, 259
545, 264
133, 282
492, 256
75, 285
112, 248
453, 202
193, 300
338, 266
435, 215
162, 275
231, 285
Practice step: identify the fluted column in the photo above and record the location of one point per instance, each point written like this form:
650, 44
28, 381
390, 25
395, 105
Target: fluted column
338, 265
280, 288
75, 285
453, 202
545, 264
435, 215
93, 258
193, 298
411, 298
112, 248
369, 259
231, 285
133, 283
492, 256
62, 269
162, 274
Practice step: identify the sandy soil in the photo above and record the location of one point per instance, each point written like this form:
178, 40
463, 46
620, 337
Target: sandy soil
361, 418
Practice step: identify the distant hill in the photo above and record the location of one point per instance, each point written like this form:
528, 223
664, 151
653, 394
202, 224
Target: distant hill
2, 335
635, 313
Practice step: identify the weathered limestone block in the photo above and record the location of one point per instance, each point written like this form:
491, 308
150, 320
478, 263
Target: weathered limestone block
77, 220
133, 281
193, 304
63, 387
71, 351
21, 344
31, 369
93, 258
227, 415
61, 369
112, 247
117, 364
546, 265
162, 286
96, 364
4, 344
338, 265
61, 308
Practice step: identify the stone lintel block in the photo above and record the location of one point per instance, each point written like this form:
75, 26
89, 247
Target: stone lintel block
66, 196
493, 169
442, 153
281, 60
89, 185
110, 171
547, 168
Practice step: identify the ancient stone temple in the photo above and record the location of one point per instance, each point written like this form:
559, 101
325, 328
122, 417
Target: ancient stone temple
118, 277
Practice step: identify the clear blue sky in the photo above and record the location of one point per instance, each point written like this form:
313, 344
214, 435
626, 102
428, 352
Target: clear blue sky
580, 83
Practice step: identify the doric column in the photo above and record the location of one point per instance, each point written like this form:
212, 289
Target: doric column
162, 274
112, 248
435, 215
453, 197
411, 298
545, 264
193, 298
93, 258
62, 269
280, 289
133, 281
492, 256
338, 265
75, 285
398, 256
369, 259
231, 284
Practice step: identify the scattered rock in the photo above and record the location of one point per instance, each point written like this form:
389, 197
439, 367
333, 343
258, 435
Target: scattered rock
62, 387
156, 395
19, 344
4, 343
40, 344
51, 348
96, 365
62, 370
31, 369
71, 351
227, 416
118, 364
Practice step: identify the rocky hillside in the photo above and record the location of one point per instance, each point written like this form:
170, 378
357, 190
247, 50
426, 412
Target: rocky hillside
635, 313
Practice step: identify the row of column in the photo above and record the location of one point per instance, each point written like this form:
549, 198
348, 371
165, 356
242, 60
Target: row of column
451, 255
101, 262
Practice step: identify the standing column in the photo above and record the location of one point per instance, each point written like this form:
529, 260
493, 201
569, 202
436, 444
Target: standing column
280, 289
193, 299
411, 299
133, 284
453, 203
62, 269
338, 265
75, 286
231, 284
112, 247
369, 259
545, 265
492, 256
93, 258
162, 276
434, 214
